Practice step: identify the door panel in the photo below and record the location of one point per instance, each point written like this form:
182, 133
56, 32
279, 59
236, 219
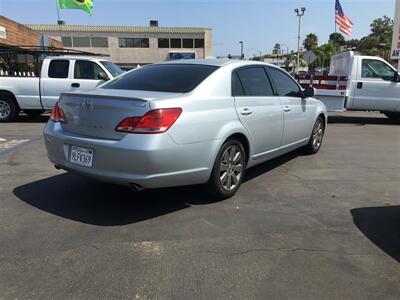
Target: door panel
263, 118
297, 112
371, 91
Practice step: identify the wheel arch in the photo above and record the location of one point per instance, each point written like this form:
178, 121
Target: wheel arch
245, 142
11, 95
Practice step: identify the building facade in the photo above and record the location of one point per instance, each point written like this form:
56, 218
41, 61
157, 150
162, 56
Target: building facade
129, 46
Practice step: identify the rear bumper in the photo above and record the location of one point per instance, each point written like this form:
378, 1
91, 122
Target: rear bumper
151, 161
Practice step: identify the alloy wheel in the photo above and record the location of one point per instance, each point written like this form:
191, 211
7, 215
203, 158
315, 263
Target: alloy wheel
5, 109
318, 134
231, 168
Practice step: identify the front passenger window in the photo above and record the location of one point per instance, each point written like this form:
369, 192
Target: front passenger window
85, 69
285, 86
372, 68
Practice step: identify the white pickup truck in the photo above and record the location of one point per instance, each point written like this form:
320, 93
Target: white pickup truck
357, 82
58, 74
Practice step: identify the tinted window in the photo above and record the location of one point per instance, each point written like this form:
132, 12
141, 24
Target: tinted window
199, 43
255, 82
81, 42
163, 43
284, 84
372, 68
172, 78
113, 69
58, 68
87, 70
187, 43
176, 43
237, 89
66, 41
99, 42
133, 43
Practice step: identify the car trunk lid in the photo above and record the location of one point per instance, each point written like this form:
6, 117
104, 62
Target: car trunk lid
96, 113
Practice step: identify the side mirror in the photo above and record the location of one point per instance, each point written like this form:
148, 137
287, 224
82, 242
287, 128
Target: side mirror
396, 77
309, 92
102, 76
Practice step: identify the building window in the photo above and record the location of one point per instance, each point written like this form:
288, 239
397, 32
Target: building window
187, 43
58, 68
176, 43
133, 43
199, 43
66, 41
81, 42
163, 43
99, 42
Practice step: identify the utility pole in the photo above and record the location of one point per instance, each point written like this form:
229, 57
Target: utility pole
299, 12
241, 49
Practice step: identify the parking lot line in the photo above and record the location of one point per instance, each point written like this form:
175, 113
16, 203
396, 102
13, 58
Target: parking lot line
8, 145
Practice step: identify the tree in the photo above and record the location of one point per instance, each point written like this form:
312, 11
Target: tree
337, 39
382, 29
277, 49
311, 41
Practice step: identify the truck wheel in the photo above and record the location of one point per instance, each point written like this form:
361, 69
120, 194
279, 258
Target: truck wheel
9, 108
393, 116
33, 113
316, 138
228, 170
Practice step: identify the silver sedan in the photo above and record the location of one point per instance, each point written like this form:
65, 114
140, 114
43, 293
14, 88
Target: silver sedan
184, 123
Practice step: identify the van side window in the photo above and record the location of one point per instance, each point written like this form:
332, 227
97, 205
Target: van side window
85, 69
58, 68
255, 82
372, 68
284, 84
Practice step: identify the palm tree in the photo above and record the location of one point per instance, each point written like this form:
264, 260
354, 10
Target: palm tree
311, 41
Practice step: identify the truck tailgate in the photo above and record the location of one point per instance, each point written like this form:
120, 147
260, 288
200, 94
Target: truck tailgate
334, 100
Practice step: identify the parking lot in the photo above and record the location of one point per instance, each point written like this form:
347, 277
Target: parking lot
304, 227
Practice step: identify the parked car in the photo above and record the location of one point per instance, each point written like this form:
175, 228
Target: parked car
59, 74
358, 82
184, 123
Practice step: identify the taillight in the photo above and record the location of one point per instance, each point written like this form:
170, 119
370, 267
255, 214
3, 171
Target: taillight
57, 115
155, 121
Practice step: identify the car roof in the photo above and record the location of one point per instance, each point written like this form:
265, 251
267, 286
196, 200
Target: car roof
76, 57
216, 62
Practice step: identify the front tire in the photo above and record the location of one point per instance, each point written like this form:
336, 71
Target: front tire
317, 137
228, 170
9, 108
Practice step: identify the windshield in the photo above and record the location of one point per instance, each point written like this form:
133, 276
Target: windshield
113, 69
172, 78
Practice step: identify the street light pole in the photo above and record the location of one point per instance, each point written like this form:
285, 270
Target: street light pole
241, 49
299, 12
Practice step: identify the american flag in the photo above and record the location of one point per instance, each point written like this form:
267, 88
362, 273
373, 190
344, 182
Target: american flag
344, 23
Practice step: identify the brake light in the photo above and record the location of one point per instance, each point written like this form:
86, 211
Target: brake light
154, 121
57, 115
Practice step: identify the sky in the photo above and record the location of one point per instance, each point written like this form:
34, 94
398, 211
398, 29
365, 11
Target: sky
258, 23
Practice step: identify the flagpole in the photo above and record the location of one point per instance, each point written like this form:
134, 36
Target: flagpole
59, 20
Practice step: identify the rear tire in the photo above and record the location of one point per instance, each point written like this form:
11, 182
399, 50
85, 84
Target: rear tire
9, 108
228, 170
316, 138
33, 113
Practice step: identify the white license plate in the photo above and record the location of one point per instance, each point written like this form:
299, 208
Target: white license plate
81, 156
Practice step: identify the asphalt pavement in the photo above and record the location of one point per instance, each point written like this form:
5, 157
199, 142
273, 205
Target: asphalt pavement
301, 227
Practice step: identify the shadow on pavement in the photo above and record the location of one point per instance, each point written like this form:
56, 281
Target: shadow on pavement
382, 226
84, 200
373, 120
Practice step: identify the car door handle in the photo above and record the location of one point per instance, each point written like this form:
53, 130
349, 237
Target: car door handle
287, 108
359, 85
75, 85
246, 112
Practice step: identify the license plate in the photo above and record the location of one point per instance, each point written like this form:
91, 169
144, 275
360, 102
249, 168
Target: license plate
81, 156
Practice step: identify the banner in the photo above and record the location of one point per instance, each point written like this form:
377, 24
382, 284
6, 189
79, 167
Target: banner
396, 33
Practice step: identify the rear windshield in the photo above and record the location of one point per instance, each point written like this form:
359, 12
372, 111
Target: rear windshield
170, 78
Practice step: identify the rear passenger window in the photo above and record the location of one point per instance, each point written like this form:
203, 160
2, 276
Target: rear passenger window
285, 85
58, 68
237, 89
255, 82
